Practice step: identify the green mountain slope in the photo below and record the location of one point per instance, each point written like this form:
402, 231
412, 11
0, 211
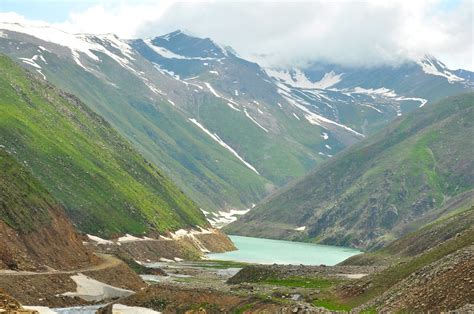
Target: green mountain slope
33, 229
134, 99
427, 237
104, 184
152, 107
362, 196
282, 124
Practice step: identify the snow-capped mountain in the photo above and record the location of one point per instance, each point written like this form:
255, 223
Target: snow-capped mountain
365, 98
225, 129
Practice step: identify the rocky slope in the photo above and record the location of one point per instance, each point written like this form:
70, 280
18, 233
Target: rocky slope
367, 195
428, 270
434, 273
224, 129
34, 231
447, 284
9, 304
106, 187
109, 278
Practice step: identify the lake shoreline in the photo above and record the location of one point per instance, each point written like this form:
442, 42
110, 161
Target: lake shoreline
272, 251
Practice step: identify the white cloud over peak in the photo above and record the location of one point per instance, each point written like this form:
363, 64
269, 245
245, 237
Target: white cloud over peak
280, 33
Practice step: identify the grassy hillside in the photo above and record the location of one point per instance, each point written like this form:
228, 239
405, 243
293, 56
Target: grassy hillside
25, 204
362, 196
104, 184
33, 227
152, 108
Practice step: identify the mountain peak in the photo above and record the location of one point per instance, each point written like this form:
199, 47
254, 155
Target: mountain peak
179, 33
431, 65
182, 43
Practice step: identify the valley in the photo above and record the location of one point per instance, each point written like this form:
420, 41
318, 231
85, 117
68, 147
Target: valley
163, 171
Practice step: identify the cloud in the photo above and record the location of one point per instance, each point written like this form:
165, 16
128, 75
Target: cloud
345, 32
361, 33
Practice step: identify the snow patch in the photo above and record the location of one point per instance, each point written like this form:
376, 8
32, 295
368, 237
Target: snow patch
428, 65
382, 91
372, 107
216, 138
224, 218
92, 290
254, 121
77, 43
118, 308
191, 234
99, 240
168, 54
40, 309
386, 93
232, 106
296, 78
129, 238
316, 119
31, 61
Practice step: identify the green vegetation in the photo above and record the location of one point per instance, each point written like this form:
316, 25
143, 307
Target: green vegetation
332, 305
423, 239
24, 204
243, 308
105, 186
220, 264
366, 196
301, 282
205, 171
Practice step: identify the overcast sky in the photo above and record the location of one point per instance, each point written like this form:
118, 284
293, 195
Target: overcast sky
278, 33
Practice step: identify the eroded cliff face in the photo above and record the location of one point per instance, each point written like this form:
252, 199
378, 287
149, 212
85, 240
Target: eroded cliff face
34, 231
56, 246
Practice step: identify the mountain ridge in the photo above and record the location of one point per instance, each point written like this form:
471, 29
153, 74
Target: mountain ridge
411, 169
151, 91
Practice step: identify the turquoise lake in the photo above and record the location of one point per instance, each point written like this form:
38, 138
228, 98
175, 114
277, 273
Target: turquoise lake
267, 251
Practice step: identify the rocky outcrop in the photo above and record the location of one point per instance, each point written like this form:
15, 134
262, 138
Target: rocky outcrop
216, 242
9, 305
188, 245
56, 246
